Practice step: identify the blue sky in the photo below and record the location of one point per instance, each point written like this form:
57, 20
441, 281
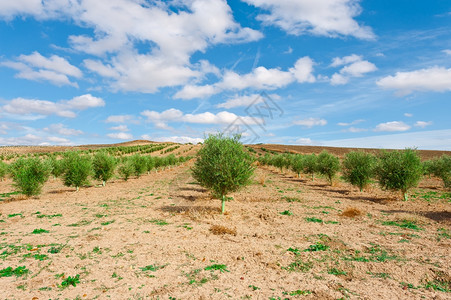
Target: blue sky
329, 72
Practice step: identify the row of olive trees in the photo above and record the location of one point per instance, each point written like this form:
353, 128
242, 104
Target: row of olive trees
75, 169
394, 170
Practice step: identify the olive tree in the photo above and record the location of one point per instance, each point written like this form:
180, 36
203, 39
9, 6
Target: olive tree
297, 164
103, 166
358, 168
223, 166
310, 165
78, 168
328, 165
3, 170
29, 175
399, 170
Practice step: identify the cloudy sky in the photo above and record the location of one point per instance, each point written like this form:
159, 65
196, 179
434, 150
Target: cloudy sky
370, 73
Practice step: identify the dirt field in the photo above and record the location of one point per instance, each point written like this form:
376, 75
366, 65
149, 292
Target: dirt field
161, 236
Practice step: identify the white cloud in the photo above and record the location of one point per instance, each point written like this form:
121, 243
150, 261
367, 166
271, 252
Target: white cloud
196, 91
8, 9
174, 115
447, 51
422, 124
435, 79
55, 69
354, 66
246, 100
310, 122
355, 129
355, 122
171, 30
119, 119
34, 140
174, 139
63, 108
304, 141
409, 115
303, 69
120, 136
259, 78
330, 18
122, 128
392, 126
62, 129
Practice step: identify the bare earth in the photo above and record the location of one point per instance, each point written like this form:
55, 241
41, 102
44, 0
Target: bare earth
166, 222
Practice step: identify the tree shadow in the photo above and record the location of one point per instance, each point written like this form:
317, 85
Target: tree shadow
438, 216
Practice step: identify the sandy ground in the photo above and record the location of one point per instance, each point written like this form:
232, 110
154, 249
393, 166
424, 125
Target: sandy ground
161, 236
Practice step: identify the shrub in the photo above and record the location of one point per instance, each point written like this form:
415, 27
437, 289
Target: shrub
57, 166
223, 166
441, 168
358, 168
297, 164
29, 175
126, 169
139, 164
328, 165
150, 163
310, 165
3, 170
399, 170
103, 166
77, 169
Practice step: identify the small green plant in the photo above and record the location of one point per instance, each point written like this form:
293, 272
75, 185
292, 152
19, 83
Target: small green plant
403, 224
299, 266
399, 170
223, 166
217, 267
103, 166
317, 247
39, 231
286, 213
358, 168
313, 220
336, 272
70, 281
29, 175
159, 222
300, 293
152, 268
18, 272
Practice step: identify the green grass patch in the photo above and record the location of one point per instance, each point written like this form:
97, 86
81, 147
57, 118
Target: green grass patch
217, 267
403, 224
159, 222
18, 272
314, 220
39, 231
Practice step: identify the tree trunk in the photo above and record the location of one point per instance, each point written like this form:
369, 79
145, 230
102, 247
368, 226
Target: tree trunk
223, 204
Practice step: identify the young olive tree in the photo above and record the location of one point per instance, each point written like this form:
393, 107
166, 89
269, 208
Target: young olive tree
57, 166
3, 170
223, 166
310, 163
103, 166
77, 169
441, 168
399, 170
297, 164
29, 175
358, 168
126, 169
328, 165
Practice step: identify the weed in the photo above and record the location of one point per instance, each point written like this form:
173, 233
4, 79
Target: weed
403, 224
443, 233
291, 199
40, 257
80, 223
286, 213
14, 215
217, 267
39, 231
70, 281
107, 222
336, 272
294, 250
159, 222
254, 288
317, 247
152, 268
18, 272
40, 216
55, 250
299, 266
314, 220
299, 293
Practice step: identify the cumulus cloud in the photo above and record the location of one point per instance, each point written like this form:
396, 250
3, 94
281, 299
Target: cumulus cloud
310, 122
354, 66
119, 119
63, 108
355, 122
392, 126
172, 31
422, 124
174, 139
355, 129
434, 79
55, 69
62, 130
409, 115
122, 128
304, 141
120, 136
196, 91
332, 18
161, 119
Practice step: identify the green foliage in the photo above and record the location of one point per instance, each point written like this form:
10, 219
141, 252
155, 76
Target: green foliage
126, 169
441, 168
297, 164
217, 267
399, 170
103, 166
29, 175
358, 168
150, 163
70, 281
77, 169
223, 166
328, 165
139, 164
310, 163
152, 268
57, 166
3, 170
317, 247
9, 271
39, 231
